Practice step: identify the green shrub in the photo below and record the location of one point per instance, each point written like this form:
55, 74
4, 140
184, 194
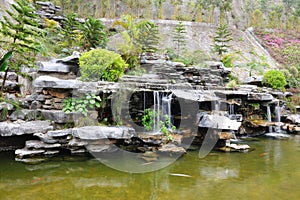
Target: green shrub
101, 64
275, 79
227, 59
232, 84
93, 34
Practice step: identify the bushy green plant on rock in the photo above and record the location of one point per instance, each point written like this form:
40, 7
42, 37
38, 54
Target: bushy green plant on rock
275, 79
101, 64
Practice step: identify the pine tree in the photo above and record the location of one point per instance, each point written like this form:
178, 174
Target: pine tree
20, 35
148, 36
179, 37
221, 40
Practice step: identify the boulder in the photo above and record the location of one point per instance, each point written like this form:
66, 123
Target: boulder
10, 85
217, 121
254, 80
231, 147
45, 138
295, 119
52, 82
73, 59
260, 97
20, 153
12, 129
77, 143
36, 105
103, 132
53, 67
60, 133
8, 106
171, 148
24, 114
11, 76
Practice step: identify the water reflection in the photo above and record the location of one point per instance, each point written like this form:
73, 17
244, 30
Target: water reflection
218, 173
271, 171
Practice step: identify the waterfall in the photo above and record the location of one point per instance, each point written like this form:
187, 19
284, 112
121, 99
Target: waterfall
278, 112
161, 107
166, 107
278, 109
144, 100
277, 133
156, 111
269, 118
231, 109
217, 105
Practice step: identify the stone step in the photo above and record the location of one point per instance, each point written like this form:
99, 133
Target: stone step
36, 144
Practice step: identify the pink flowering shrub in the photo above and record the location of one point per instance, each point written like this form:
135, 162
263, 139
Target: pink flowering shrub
284, 46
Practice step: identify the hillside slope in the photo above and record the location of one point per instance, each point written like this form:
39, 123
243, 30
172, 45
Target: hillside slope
199, 37
4, 4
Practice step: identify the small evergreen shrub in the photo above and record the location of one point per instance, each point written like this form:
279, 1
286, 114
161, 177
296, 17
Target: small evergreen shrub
101, 64
275, 79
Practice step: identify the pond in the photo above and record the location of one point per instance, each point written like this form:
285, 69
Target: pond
270, 171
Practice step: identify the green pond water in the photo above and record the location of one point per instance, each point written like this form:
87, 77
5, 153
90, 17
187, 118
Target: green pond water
271, 171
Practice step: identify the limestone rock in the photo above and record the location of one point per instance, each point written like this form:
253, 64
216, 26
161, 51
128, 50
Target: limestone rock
35, 144
73, 59
260, 97
103, 132
60, 133
235, 147
11, 76
11, 129
58, 116
77, 143
216, 121
10, 85
24, 114
8, 106
45, 138
52, 82
40, 97
171, 148
50, 153
295, 119
53, 67
36, 105
254, 80
20, 153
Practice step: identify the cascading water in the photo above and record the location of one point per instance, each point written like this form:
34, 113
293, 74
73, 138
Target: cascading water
278, 133
161, 107
166, 107
278, 112
217, 105
231, 109
156, 111
278, 116
269, 117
